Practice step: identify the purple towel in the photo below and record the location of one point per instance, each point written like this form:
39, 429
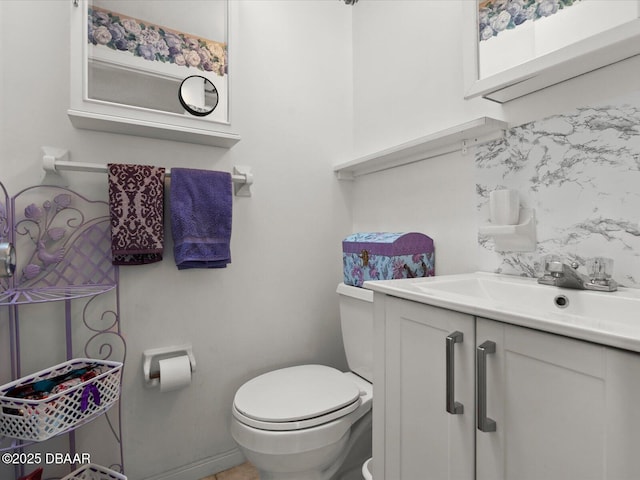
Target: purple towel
201, 205
136, 208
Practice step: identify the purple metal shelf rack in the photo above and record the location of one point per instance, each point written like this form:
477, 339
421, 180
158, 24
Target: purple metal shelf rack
62, 241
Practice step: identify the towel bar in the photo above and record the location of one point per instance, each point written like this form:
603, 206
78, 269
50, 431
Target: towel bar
54, 160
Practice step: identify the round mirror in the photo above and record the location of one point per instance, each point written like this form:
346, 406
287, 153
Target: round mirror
198, 95
7, 259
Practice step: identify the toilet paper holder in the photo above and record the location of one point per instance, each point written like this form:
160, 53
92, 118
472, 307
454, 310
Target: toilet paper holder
152, 357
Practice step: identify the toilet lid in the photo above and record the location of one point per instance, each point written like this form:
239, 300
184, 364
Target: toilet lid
295, 393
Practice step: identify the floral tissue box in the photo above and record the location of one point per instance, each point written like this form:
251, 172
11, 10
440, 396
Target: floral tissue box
385, 256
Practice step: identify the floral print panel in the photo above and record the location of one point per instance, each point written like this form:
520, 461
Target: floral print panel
154, 42
495, 16
386, 256
386, 268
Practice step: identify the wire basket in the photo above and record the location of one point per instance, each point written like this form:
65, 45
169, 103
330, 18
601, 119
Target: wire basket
38, 420
92, 471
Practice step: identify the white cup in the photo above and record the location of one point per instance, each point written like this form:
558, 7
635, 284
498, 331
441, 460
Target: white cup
504, 207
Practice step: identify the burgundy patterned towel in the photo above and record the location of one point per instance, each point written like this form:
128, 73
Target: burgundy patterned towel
136, 207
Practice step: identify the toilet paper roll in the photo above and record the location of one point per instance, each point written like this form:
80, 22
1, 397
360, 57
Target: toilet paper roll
175, 373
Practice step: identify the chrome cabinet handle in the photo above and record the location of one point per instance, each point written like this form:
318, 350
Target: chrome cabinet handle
485, 424
453, 407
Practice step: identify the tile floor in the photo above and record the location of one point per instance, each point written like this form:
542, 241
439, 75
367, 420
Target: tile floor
246, 471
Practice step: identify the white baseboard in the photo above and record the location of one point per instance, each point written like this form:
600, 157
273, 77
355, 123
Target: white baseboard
202, 468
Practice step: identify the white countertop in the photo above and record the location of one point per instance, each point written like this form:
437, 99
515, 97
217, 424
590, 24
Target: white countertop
607, 318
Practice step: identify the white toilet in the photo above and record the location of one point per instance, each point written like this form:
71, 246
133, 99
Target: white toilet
301, 422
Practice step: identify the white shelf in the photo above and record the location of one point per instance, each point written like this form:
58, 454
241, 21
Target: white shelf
114, 124
514, 238
459, 137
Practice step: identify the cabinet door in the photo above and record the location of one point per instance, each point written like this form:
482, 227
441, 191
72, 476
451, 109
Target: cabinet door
422, 439
622, 415
548, 397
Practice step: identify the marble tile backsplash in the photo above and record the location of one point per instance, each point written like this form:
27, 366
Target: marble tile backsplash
581, 173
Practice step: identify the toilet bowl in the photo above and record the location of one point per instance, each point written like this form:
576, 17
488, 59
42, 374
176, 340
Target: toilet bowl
366, 470
301, 422
311, 442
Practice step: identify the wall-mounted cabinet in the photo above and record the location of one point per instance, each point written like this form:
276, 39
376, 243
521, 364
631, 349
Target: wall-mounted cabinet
129, 63
511, 50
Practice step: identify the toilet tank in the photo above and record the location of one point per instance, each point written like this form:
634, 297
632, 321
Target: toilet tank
356, 318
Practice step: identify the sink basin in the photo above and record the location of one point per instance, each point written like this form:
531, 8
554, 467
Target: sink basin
610, 318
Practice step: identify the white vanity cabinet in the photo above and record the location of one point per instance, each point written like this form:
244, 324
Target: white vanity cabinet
555, 401
564, 409
419, 434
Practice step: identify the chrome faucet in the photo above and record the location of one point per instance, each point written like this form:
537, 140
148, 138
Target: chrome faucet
559, 274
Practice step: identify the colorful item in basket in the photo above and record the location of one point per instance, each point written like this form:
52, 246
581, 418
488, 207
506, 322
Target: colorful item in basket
92, 390
44, 388
51, 386
35, 475
67, 384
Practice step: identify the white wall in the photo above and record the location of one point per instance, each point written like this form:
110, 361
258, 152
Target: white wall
408, 82
408, 73
275, 305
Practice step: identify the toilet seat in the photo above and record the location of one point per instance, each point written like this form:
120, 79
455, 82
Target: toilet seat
296, 397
